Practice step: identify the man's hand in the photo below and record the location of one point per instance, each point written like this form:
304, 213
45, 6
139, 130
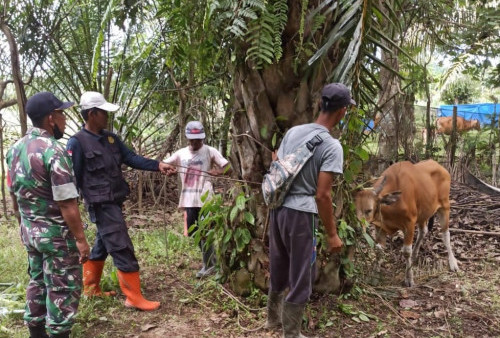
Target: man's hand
214, 172
226, 170
335, 243
71, 214
84, 249
167, 169
16, 208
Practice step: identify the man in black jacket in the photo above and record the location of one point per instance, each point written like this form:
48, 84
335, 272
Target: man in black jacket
97, 158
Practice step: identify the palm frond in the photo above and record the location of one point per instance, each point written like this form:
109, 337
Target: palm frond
96, 57
380, 63
343, 25
350, 56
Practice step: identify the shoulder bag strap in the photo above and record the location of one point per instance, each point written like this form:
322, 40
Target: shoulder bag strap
315, 141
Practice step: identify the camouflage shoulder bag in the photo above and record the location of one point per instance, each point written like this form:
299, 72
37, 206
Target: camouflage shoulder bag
282, 172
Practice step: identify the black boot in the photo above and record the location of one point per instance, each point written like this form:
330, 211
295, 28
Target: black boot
292, 320
38, 331
274, 310
61, 335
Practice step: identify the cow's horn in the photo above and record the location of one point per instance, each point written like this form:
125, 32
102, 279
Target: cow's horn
378, 189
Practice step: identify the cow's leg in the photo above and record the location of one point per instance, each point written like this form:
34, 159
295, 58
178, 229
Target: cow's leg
422, 231
407, 251
444, 219
380, 238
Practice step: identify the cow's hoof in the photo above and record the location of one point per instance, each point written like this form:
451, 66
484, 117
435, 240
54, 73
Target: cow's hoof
409, 283
454, 266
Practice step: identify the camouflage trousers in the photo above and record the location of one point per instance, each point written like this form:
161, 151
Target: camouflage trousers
55, 285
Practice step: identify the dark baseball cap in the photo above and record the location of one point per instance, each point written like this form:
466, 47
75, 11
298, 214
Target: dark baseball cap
335, 96
44, 103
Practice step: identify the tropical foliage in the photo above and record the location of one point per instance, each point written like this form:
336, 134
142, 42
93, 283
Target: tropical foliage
249, 69
462, 90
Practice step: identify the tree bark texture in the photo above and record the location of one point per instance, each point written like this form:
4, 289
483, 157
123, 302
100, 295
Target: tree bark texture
16, 74
5, 103
390, 114
269, 101
397, 120
407, 126
428, 128
2, 185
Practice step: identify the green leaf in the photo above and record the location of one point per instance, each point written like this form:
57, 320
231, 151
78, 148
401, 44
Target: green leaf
240, 202
204, 196
348, 177
368, 239
263, 132
355, 166
246, 236
233, 214
249, 218
363, 154
346, 308
364, 318
240, 244
227, 236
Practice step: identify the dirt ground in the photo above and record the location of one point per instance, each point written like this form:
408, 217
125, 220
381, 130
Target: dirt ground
442, 304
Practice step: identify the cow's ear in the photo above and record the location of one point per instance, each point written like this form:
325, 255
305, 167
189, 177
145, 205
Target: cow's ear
390, 198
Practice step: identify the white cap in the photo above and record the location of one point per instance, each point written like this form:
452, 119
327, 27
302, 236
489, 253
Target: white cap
96, 100
195, 130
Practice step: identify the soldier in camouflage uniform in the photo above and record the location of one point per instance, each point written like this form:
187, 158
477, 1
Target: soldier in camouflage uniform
42, 186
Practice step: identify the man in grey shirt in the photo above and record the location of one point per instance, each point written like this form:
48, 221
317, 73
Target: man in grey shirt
292, 225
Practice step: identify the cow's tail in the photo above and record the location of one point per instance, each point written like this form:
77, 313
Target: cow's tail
430, 223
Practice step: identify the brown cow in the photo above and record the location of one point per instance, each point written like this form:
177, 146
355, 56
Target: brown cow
404, 196
445, 125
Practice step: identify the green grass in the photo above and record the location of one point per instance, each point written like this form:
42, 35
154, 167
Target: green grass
12, 253
13, 267
154, 246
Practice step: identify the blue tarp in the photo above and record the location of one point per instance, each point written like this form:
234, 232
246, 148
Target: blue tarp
480, 111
